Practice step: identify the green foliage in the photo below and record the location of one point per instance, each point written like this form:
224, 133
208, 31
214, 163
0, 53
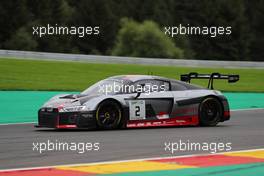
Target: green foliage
22, 40
222, 13
184, 43
255, 9
144, 40
244, 16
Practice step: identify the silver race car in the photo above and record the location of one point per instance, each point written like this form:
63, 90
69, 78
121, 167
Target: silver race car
132, 101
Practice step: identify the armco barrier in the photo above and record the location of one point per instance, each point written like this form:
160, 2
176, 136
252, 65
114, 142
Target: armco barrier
128, 60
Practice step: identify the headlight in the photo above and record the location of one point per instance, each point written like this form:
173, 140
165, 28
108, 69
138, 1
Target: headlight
72, 109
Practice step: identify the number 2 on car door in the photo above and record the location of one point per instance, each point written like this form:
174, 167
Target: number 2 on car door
137, 110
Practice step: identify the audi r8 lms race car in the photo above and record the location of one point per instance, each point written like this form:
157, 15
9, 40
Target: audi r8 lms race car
128, 101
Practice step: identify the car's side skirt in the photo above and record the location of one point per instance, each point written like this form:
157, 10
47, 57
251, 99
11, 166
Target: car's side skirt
191, 120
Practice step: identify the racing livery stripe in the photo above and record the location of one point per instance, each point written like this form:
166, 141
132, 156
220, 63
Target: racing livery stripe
190, 101
226, 113
196, 100
66, 126
185, 110
179, 120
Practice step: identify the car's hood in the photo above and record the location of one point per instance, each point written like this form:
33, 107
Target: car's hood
65, 100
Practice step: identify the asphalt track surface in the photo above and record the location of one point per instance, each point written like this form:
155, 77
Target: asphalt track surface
245, 130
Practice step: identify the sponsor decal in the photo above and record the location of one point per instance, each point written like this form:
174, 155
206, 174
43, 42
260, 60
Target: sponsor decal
185, 120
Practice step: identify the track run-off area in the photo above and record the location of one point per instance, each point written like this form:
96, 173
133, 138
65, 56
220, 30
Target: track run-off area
142, 149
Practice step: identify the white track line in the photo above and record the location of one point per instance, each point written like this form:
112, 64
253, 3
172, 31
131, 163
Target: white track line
248, 109
121, 161
21, 123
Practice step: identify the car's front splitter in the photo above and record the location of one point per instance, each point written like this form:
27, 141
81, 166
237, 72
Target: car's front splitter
51, 118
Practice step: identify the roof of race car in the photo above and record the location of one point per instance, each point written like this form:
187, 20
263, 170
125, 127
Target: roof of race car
134, 78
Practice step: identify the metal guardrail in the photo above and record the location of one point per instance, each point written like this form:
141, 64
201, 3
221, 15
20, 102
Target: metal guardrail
128, 60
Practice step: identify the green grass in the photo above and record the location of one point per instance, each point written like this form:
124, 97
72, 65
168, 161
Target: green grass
75, 76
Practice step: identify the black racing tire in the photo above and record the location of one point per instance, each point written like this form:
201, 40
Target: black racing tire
210, 112
108, 115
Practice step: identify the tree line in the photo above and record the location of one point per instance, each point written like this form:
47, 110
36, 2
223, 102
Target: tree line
244, 16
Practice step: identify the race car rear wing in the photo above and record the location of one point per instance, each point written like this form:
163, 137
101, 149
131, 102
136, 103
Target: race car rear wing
211, 77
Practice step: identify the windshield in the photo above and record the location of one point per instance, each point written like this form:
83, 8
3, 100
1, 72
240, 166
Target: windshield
107, 86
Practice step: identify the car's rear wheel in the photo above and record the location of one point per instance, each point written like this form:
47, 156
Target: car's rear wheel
108, 115
210, 112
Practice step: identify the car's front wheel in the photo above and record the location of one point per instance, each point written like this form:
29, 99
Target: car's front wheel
210, 112
108, 115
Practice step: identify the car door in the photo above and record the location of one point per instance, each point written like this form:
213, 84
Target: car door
154, 103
